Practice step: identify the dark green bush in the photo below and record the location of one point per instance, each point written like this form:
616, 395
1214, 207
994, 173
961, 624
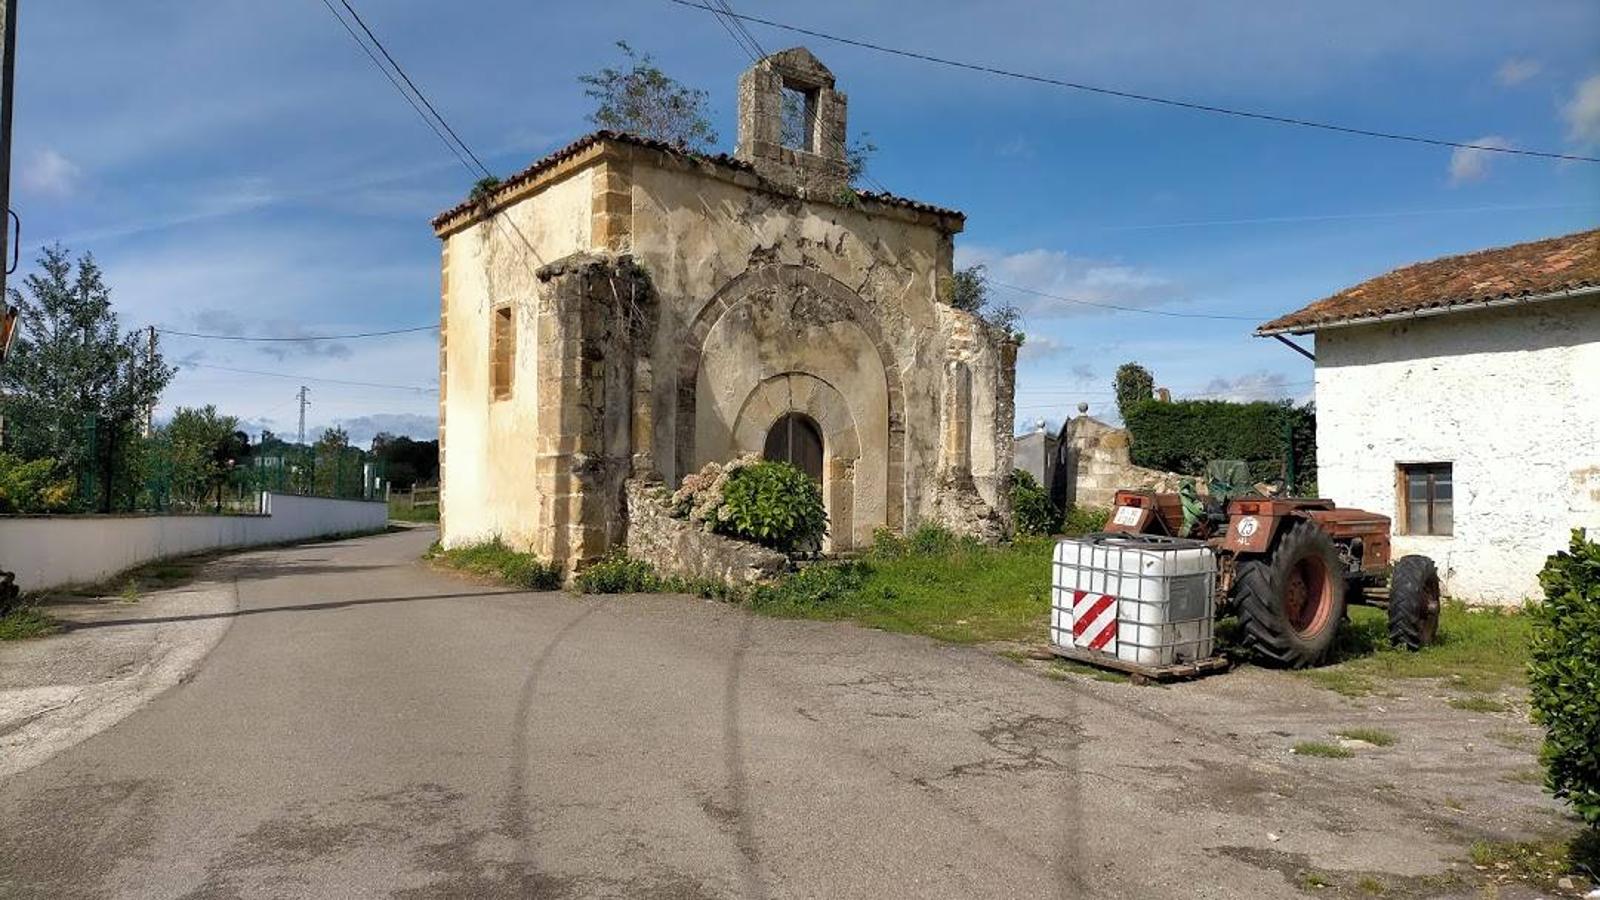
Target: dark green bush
812, 586
619, 574
1031, 505
1184, 435
1564, 675
775, 504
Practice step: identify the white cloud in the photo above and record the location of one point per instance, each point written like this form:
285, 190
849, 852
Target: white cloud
1583, 112
50, 174
1260, 385
1467, 164
362, 428
1058, 274
1039, 347
1516, 70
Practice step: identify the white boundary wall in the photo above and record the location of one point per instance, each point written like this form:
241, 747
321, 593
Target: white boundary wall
52, 551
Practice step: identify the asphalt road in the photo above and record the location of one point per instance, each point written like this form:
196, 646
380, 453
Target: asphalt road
370, 728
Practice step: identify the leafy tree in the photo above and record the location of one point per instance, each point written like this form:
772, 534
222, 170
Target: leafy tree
77, 385
405, 461
1134, 384
641, 99
336, 464
201, 447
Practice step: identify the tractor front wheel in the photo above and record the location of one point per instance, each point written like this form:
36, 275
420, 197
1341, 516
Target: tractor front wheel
1413, 603
1291, 603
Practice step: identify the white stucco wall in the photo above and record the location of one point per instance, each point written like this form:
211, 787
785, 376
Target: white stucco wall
52, 551
486, 471
1509, 397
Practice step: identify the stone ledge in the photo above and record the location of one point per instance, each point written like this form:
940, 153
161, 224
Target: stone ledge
682, 548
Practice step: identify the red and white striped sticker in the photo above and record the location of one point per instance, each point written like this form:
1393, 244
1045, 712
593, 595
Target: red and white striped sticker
1094, 621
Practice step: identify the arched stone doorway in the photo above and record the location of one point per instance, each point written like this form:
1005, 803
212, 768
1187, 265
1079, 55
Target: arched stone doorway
796, 439
769, 337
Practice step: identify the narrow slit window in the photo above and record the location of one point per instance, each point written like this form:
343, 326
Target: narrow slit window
504, 348
1427, 498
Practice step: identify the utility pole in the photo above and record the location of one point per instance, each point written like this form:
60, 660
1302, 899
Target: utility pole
9, 593
150, 356
8, 75
303, 401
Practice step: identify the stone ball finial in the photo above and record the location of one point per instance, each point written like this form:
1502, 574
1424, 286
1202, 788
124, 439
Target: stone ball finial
1083, 409
1039, 424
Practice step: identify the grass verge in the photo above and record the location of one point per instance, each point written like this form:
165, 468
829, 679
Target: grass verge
26, 622
931, 584
1322, 750
1377, 737
496, 560
1543, 862
405, 512
1478, 650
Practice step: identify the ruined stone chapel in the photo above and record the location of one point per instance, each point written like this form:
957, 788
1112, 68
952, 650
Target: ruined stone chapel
624, 309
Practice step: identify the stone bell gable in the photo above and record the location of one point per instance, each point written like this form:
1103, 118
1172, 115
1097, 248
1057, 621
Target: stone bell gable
624, 311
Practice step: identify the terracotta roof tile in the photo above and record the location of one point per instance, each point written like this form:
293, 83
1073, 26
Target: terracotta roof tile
1570, 262
721, 160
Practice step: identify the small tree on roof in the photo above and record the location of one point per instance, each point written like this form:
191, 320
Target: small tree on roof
641, 99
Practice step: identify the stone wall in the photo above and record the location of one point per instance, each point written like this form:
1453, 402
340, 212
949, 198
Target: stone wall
684, 549
1097, 465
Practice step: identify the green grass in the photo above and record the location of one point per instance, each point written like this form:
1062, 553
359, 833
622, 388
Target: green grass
928, 584
26, 622
404, 512
1479, 650
1322, 750
1541, 862
1374, 736
495, 559
1477, 703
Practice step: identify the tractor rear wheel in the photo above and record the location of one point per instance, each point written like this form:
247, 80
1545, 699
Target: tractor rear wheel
1291, 603
1413, 603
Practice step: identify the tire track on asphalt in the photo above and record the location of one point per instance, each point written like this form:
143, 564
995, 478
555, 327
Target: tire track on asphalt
514, 810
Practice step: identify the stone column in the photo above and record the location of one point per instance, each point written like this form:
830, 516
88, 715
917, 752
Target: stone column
595, 312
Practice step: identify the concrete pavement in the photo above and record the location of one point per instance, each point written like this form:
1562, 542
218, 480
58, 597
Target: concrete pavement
370, 728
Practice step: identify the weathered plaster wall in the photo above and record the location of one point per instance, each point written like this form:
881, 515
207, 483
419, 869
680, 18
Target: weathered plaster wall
701, 238
486, 468
1510, 397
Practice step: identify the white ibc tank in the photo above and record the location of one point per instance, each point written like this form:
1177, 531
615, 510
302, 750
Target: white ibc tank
1138, 598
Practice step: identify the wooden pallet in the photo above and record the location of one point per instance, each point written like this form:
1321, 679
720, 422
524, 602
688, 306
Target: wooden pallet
1143, 673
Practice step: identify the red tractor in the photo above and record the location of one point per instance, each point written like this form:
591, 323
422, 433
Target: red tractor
1288, 567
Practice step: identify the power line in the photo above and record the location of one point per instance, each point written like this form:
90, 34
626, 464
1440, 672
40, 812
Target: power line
402, 91
413, 85
1146, 98
1133, 309
293, 377
316, 337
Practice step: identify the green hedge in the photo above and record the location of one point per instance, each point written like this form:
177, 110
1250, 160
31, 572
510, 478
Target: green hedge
1031, 505
1564, 675
1183, 435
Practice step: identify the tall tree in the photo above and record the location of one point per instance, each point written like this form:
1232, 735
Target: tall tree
77, 385
1134, 384
639, 98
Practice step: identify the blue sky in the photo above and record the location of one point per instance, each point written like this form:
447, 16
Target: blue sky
241, 167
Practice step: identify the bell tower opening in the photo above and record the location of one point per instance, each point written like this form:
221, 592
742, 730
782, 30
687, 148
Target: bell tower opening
797, 440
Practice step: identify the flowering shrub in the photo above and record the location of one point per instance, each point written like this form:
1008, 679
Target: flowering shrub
770, 503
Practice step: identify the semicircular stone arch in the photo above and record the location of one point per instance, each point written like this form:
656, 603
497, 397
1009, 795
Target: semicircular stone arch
810, 295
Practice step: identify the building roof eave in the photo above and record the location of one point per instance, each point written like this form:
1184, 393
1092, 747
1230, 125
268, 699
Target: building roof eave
1441, 309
